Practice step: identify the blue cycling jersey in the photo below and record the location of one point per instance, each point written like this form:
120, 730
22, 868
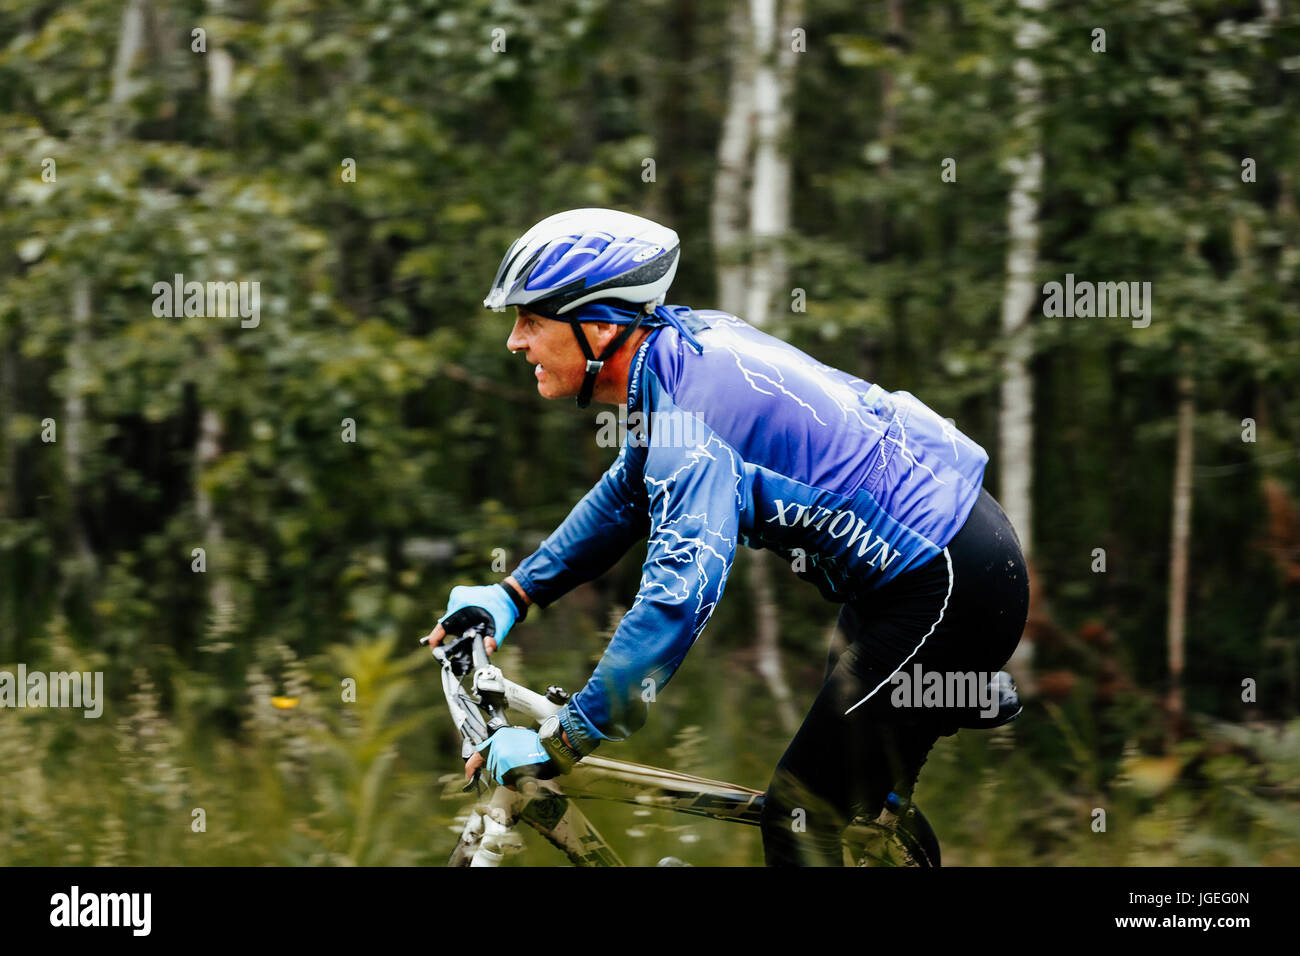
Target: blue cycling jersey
751, 442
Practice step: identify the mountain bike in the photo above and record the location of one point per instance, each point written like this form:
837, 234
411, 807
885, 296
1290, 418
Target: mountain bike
899, 835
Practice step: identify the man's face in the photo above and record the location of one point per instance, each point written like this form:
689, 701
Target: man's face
550, 346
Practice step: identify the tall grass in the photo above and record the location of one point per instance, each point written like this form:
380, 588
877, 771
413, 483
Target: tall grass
368, 773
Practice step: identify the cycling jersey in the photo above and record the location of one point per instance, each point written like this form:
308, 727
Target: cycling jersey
750, 442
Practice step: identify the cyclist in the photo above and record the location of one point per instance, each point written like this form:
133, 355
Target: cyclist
743, 439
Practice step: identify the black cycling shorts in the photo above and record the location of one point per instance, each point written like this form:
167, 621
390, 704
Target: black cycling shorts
963, 611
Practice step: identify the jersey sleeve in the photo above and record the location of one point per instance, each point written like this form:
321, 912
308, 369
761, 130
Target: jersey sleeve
608, 520
695, 497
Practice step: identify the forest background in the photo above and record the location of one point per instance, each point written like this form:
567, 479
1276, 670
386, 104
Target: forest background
214, 512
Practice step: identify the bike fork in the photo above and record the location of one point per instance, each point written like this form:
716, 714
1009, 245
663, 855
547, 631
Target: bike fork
488, 836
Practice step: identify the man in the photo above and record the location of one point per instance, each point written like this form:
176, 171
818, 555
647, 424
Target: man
746, 440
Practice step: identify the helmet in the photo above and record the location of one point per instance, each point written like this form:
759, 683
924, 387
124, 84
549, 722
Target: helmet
583, 255
586, 255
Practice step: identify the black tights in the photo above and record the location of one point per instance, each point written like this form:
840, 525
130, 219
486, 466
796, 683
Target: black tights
963, 611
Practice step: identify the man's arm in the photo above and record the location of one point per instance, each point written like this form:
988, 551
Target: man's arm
695, 498
598, 531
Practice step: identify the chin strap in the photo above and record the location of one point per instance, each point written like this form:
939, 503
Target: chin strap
594, 365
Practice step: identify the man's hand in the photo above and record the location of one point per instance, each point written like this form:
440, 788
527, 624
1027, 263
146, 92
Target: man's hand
514, 752
476, 760
437, 634
493, 600
472, 765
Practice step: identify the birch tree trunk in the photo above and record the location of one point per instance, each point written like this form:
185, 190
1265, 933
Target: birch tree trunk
129, 44
1180, 536
727, 211
221, 603
221, 72
761, 110
769, 195
74, 428
1016, 400
760, 75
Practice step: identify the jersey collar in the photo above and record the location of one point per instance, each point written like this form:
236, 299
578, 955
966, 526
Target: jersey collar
636, 372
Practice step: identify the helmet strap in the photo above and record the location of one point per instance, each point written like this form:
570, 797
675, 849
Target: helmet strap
594, 365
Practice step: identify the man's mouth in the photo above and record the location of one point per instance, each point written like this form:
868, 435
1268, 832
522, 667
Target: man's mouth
539, 371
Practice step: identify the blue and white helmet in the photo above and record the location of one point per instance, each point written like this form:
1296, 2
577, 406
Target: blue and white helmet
584, 255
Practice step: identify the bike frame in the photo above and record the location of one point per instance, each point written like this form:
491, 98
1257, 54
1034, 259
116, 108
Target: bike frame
553, 811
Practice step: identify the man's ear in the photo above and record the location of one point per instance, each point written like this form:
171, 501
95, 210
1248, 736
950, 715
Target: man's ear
605, 333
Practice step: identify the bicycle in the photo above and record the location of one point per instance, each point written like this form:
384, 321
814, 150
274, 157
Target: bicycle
899, 836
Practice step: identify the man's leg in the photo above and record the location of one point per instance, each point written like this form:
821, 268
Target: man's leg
838, 764
818, 788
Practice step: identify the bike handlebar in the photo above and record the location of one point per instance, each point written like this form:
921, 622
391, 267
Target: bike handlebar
466, 652
482, 710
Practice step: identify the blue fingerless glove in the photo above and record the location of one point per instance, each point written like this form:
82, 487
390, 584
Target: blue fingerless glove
515, 752
493, 599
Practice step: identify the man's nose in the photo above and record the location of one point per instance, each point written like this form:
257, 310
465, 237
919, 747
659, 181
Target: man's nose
516, 341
